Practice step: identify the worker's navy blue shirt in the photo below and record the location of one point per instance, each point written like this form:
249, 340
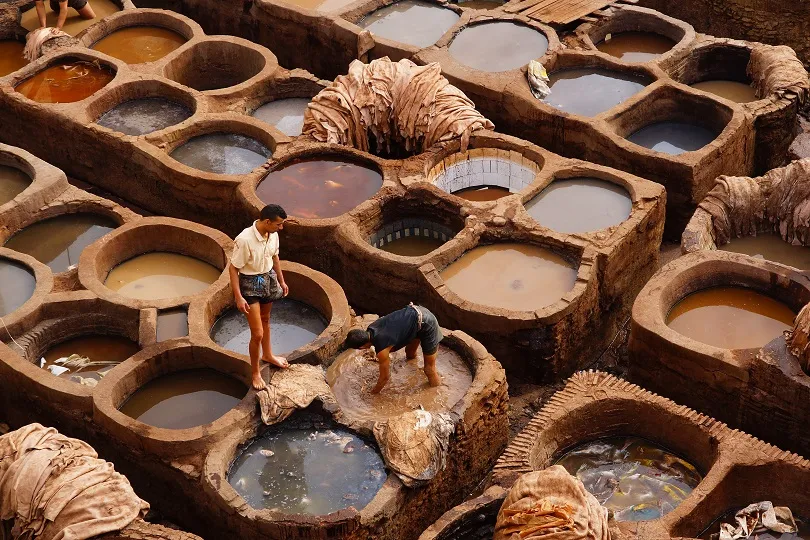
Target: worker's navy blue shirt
394, 330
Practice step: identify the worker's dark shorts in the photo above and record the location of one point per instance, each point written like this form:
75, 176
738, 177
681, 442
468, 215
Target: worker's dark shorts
430, 334
261, 288
75, 4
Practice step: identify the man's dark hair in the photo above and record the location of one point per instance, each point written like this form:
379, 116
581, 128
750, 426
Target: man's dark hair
272, 211
356, 338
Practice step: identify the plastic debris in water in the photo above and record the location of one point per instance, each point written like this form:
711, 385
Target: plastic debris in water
538, 80
266, 453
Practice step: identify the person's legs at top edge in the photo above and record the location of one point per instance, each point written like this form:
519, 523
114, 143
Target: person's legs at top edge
254, 348
267, 346
85, 11
411, 348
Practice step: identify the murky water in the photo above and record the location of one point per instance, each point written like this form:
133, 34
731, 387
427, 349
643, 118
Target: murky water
672, 137
12, 182
635, 478
308, 471
730, 317
185, 399
139, 44
286, 114
320, 5
572, 90
104, 353
158, 275
483, 193
732, 90
11, 58
353, 374
74, 23
771, 247
636, 46
481, 4
319, 188
411, 21
59, 241
172, 324
498, 46
803, 525
412, 246
576, 205
142, 116
17, 285
222, 153
66, 82
293, 324
519, 277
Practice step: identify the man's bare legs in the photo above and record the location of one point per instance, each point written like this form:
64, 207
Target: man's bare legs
267, 348
87, 12
256, 336
411, 348
430, 362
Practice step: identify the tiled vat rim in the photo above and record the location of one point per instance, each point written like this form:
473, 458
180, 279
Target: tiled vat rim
575, 414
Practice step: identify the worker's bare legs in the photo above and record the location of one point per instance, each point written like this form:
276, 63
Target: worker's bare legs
256, 336
87, 12
411, 348
267, 348
430, 369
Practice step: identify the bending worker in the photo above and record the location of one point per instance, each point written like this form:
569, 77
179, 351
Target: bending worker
61, 7
408, 327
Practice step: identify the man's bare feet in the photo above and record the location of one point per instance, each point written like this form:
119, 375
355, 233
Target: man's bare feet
258, 382
433, 377
278, 361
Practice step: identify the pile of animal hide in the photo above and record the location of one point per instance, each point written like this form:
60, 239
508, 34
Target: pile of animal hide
36, 40
777, 70
758, 519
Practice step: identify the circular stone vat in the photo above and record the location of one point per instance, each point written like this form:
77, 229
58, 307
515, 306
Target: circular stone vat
672, 137
577, 205
353, 375
293, 324
573, 90
160, 275
719, 69
185, 399
802, 524
635, 46
74, 22
307, 470
519, 277
142, 116
412, 22
320, 188
411, 237
17, 284
67, 81
285, 114
772, 248
635, 478
60, 240
87, 359
730, 317
487, 178
13, 181
498, 46
11, 56
140, 44
735, 91
222, 153
214, 65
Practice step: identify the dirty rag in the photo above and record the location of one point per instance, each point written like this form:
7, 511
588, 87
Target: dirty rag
756, 519
551, 505
290, 389
538, 80
777, 70
54, 487
37, 38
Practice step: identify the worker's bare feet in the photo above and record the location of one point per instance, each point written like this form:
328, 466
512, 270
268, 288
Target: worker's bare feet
433, 377
278, 361
258, 382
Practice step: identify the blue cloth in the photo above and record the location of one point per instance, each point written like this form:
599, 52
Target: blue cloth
399, 328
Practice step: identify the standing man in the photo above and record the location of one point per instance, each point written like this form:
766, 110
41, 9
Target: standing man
61, 7
257, 281
409, 327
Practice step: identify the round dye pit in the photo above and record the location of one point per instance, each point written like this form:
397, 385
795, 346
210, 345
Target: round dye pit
140, 44
772, 248
712, 532
74, 22
142, 116
498, 46
172, 324
353, 375
576, 205
87, 359
672, 137
412, 246
481, 4
572, 90
636, 479
17, 285
319, 188
308, 471
519, 277
12, 182
482, 193
735, 91
159, 275
185, 399
413, 22
67, 81
11, 57
636, 46
411, 237
222, 153
59, 241
285, 114
480, 179
730, 318
293, 324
